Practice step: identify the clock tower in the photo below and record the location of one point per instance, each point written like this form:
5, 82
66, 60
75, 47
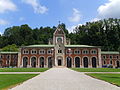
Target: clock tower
59, 40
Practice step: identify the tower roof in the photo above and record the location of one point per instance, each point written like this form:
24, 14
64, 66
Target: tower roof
59, 30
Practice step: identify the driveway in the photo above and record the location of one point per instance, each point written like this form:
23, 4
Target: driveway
64, 79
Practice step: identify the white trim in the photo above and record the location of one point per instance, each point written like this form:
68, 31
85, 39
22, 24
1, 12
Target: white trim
85, 51
25, 50
33, 50
93, 50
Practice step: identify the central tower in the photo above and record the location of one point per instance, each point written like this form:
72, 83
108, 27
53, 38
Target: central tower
59, 40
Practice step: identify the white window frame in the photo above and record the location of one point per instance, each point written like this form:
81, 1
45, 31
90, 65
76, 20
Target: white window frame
77, 50
33, 51
48, 51
104, 56
85, 51
25, 50
41, 51
93, 51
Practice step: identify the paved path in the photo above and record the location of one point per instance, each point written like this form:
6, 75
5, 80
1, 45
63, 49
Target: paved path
64, 79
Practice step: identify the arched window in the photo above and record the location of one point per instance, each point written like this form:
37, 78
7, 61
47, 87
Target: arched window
33, 62
41, 62
77, 62
25, 62
69, 62
94, 64
85, 62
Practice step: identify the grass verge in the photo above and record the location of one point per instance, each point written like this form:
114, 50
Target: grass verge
96, 69
23, 69
111, 78
10, 80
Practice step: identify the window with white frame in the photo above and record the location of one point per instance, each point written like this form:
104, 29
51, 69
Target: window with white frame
111, 57
41, 51
85, 52
49, 51
93, 52
25, 52
104, 57
77, 52
33, 51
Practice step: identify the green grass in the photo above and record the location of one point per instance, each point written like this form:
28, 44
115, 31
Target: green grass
96, 69
111, 78
23, 69
10, 80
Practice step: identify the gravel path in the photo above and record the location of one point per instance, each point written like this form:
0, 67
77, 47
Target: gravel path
64, 79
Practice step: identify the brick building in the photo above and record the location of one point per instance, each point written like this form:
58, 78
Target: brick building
59, 52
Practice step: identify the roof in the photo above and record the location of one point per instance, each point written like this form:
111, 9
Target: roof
81, 46
37, 46
109, 52
8, 52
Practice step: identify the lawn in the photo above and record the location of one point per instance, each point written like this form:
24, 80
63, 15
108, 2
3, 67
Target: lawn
96, 69
10, 80
111, 78
23, 69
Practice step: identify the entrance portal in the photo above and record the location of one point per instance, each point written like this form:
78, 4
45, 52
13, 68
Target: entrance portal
59, 62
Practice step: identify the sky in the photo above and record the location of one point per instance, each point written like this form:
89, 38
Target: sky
37, 13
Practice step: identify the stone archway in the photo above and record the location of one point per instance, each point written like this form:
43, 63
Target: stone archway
49, 62
25, 62
85, 62
33, 62
94, 64
69, 62
118, 63
77, 62
41, 62
60, 60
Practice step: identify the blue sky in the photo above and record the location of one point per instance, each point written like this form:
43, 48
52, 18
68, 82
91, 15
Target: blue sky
38, 13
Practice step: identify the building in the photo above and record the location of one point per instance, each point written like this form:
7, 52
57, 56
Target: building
59, 52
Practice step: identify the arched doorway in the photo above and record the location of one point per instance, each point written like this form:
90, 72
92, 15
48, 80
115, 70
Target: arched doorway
49, 62
69, 62
118, 64
33, 62
60, 60
94, 62
42, 62
77, 62
25, 62
85, 62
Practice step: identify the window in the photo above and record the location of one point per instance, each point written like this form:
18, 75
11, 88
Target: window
104, 57
49, 51
111, 57
93, 52
34, 52
85, 51
117, 57
25, 52
59, 51
42, 52
77, 52
104, 62
0, 56
8, 57
111, 62
68, 51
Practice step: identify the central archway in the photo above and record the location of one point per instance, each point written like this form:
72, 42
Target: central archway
94, 62
60, 60
49, 62
25, 62
69, 62
33, 62
85, 62
77, 62
41, 62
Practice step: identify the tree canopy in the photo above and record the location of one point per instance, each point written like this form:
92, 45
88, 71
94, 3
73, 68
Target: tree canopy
104, 33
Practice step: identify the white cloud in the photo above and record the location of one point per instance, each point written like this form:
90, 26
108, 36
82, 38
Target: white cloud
3, 22
21, 19
110, 9
95, 19
7, 5
38, 8
76, 16
72, 28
